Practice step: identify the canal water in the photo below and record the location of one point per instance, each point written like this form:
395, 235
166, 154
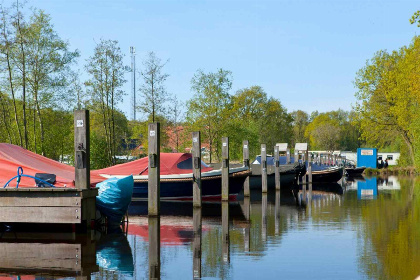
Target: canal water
365, 228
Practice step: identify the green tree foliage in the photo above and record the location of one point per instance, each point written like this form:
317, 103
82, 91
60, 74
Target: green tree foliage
333, 130
300, 122
36, 63
323, 133
389, 94
415, 18
207, 109
104, 88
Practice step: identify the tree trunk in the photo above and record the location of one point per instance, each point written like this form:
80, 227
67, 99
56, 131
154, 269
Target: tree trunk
23, 82
9, 68
5, 118
409, 145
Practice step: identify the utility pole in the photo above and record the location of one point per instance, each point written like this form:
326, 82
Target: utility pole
133, 79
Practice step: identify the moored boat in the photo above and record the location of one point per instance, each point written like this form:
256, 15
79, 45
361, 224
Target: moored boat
176, 178
288, 172
328, 175
355, 171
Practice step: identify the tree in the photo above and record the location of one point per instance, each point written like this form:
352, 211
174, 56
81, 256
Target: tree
207, 108
176, 115
300, 122
49, 61
153, 92
323, 133
388, 94
105, 88
415, 18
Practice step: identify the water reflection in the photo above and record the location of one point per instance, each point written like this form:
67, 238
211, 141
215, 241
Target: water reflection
197, 224
154, 247
333, 229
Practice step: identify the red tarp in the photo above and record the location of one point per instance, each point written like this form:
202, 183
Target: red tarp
168, 165
11, 157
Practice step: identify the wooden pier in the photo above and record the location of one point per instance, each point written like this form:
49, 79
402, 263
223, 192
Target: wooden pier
76, 206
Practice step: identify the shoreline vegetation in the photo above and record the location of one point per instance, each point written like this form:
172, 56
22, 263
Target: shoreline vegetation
393, 170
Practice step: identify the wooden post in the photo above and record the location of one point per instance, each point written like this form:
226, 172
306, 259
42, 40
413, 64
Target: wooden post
197, 225
82, 149
264, 204
288, 156
277, 167
245, 147
263, 168
296, 156
154, 247
154, 169
225, 168
225, 232
196, 153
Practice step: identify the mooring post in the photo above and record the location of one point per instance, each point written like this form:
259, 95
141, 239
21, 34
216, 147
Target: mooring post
277, 167
154, 247
304, 176
154, 169
263, 168
196, 153
197, 226
225, 168
82, 149
245, 146
310, 171
225, 232
288, 156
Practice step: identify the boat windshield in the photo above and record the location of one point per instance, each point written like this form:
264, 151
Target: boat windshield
187, 164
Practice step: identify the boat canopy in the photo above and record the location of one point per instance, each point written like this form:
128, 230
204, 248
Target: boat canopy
12, 157
170, 163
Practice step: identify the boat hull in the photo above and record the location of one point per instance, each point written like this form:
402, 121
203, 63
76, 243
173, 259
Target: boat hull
182, 189
355, 171
331, 175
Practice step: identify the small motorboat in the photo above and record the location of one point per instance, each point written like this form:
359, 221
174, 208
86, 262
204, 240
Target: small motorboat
331, 174
176, 178
355, 171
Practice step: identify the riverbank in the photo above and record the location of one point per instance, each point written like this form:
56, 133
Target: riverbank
392, 170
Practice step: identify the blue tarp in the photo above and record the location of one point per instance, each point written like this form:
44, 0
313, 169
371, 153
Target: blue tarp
114, 197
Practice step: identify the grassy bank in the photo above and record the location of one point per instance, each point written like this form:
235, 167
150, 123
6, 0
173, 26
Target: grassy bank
392, 170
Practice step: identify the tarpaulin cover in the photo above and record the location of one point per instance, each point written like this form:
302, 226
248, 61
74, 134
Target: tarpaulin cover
114, 197
12, 156
170, 163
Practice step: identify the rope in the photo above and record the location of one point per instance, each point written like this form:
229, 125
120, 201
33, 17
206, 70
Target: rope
20, 175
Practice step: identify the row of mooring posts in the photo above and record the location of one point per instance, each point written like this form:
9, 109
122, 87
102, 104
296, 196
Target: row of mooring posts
154, 167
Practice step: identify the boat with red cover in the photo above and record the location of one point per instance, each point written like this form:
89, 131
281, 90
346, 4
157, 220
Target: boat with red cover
12, 157
176, 178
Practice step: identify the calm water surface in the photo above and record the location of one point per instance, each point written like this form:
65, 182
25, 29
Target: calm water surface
367, 228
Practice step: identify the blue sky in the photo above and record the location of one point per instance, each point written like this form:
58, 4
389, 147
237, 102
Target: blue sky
305, 53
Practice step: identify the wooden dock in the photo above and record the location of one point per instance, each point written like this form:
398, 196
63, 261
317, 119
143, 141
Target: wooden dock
47, 205
57, 205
